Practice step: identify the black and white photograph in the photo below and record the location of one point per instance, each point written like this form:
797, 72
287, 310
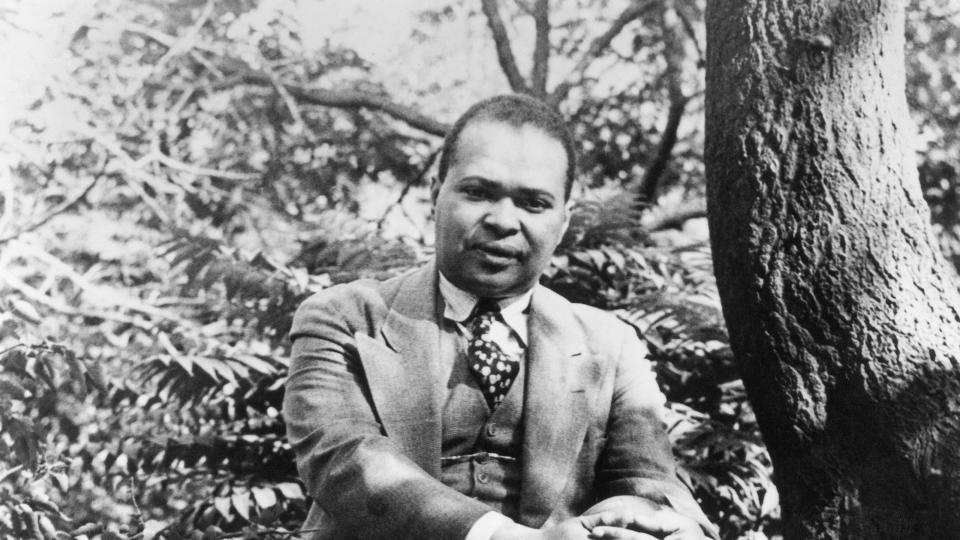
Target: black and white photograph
479, 269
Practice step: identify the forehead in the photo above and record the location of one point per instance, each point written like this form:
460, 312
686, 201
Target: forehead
511, 154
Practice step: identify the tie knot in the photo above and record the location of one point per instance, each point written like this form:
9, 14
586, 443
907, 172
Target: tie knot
486, 307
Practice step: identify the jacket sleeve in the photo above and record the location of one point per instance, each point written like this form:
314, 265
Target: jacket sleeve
638, 459
350, 468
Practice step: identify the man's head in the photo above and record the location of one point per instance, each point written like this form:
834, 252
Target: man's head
514, 110
501, 199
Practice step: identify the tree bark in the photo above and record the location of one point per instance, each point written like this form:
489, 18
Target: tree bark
840, 309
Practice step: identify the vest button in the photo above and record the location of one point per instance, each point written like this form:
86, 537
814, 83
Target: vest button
491, 430
482, 477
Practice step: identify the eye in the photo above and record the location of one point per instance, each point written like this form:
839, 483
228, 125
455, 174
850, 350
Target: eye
475, 192
535, 204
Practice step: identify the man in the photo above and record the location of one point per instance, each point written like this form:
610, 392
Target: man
462, 400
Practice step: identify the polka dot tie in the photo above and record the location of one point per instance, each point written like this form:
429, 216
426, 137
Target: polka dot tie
494, 370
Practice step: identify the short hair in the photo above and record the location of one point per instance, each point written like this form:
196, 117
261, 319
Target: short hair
515, 110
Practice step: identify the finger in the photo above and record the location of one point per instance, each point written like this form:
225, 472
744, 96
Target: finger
604, 532
663, 522
613, 518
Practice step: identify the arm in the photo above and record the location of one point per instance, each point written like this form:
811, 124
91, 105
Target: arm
352, 471
636, 471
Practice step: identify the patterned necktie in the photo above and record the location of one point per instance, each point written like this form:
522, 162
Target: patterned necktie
494, 370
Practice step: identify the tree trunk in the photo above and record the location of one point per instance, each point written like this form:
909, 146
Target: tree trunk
840, 310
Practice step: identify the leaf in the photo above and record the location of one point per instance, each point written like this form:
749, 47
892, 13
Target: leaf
96, 377
12, 389
24, 310
60, 480
208, 366
223, 506
290, 490
185, 362
254, 363
771, 501
264, 497
8, 328
241, 502
77, 371
198, 265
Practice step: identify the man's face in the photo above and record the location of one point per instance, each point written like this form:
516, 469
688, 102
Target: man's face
500, 211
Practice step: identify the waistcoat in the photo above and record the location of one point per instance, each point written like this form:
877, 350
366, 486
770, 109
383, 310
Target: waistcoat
480, 451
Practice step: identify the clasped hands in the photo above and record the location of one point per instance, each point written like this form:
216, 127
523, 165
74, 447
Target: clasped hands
617, 518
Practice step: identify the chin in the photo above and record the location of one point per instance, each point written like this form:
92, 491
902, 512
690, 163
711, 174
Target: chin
496, 288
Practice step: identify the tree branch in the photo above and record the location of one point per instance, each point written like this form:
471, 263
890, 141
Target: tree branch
344, 99
541, 50
674, 218
633, 12
504, 52
313, 96
63, 207
100, 296
406, 189
201, 171
675, 56
651, 177
185, 43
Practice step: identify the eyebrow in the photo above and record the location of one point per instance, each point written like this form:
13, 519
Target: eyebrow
493, 184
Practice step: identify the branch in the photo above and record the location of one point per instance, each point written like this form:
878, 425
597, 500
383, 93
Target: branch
63, 207
200, 171
185, 43
541, 50
160, 38
134, 175
674, 218
675, 55
651, 177
504, 53
313, 96
349, 99
48, 301
99, 296
600, 44
692, 34
406, 189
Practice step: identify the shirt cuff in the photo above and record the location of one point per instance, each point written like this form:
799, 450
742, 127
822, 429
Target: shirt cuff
488, 524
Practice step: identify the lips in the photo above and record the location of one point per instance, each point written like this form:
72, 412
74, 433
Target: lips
498, 251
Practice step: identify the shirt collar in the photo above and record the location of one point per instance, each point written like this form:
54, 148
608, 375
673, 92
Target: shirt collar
459, 304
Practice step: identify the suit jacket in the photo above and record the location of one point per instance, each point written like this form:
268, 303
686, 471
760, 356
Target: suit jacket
363, 407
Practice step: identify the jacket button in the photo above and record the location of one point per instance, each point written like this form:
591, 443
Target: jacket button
491, 430
482, 477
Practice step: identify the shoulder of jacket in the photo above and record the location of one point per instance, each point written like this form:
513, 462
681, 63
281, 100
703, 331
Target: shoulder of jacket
359, 292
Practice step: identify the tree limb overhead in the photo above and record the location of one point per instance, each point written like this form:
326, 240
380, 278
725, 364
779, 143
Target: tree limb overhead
346, 99
633, 12
508, 63
541, 51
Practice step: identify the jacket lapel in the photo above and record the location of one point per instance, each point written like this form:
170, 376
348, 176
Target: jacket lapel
401, 371
555, 408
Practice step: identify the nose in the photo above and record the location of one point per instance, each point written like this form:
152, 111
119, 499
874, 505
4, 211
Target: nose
502, 217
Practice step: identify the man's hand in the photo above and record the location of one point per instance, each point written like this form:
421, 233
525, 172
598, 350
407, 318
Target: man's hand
662, 524
634, 518
655, 523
